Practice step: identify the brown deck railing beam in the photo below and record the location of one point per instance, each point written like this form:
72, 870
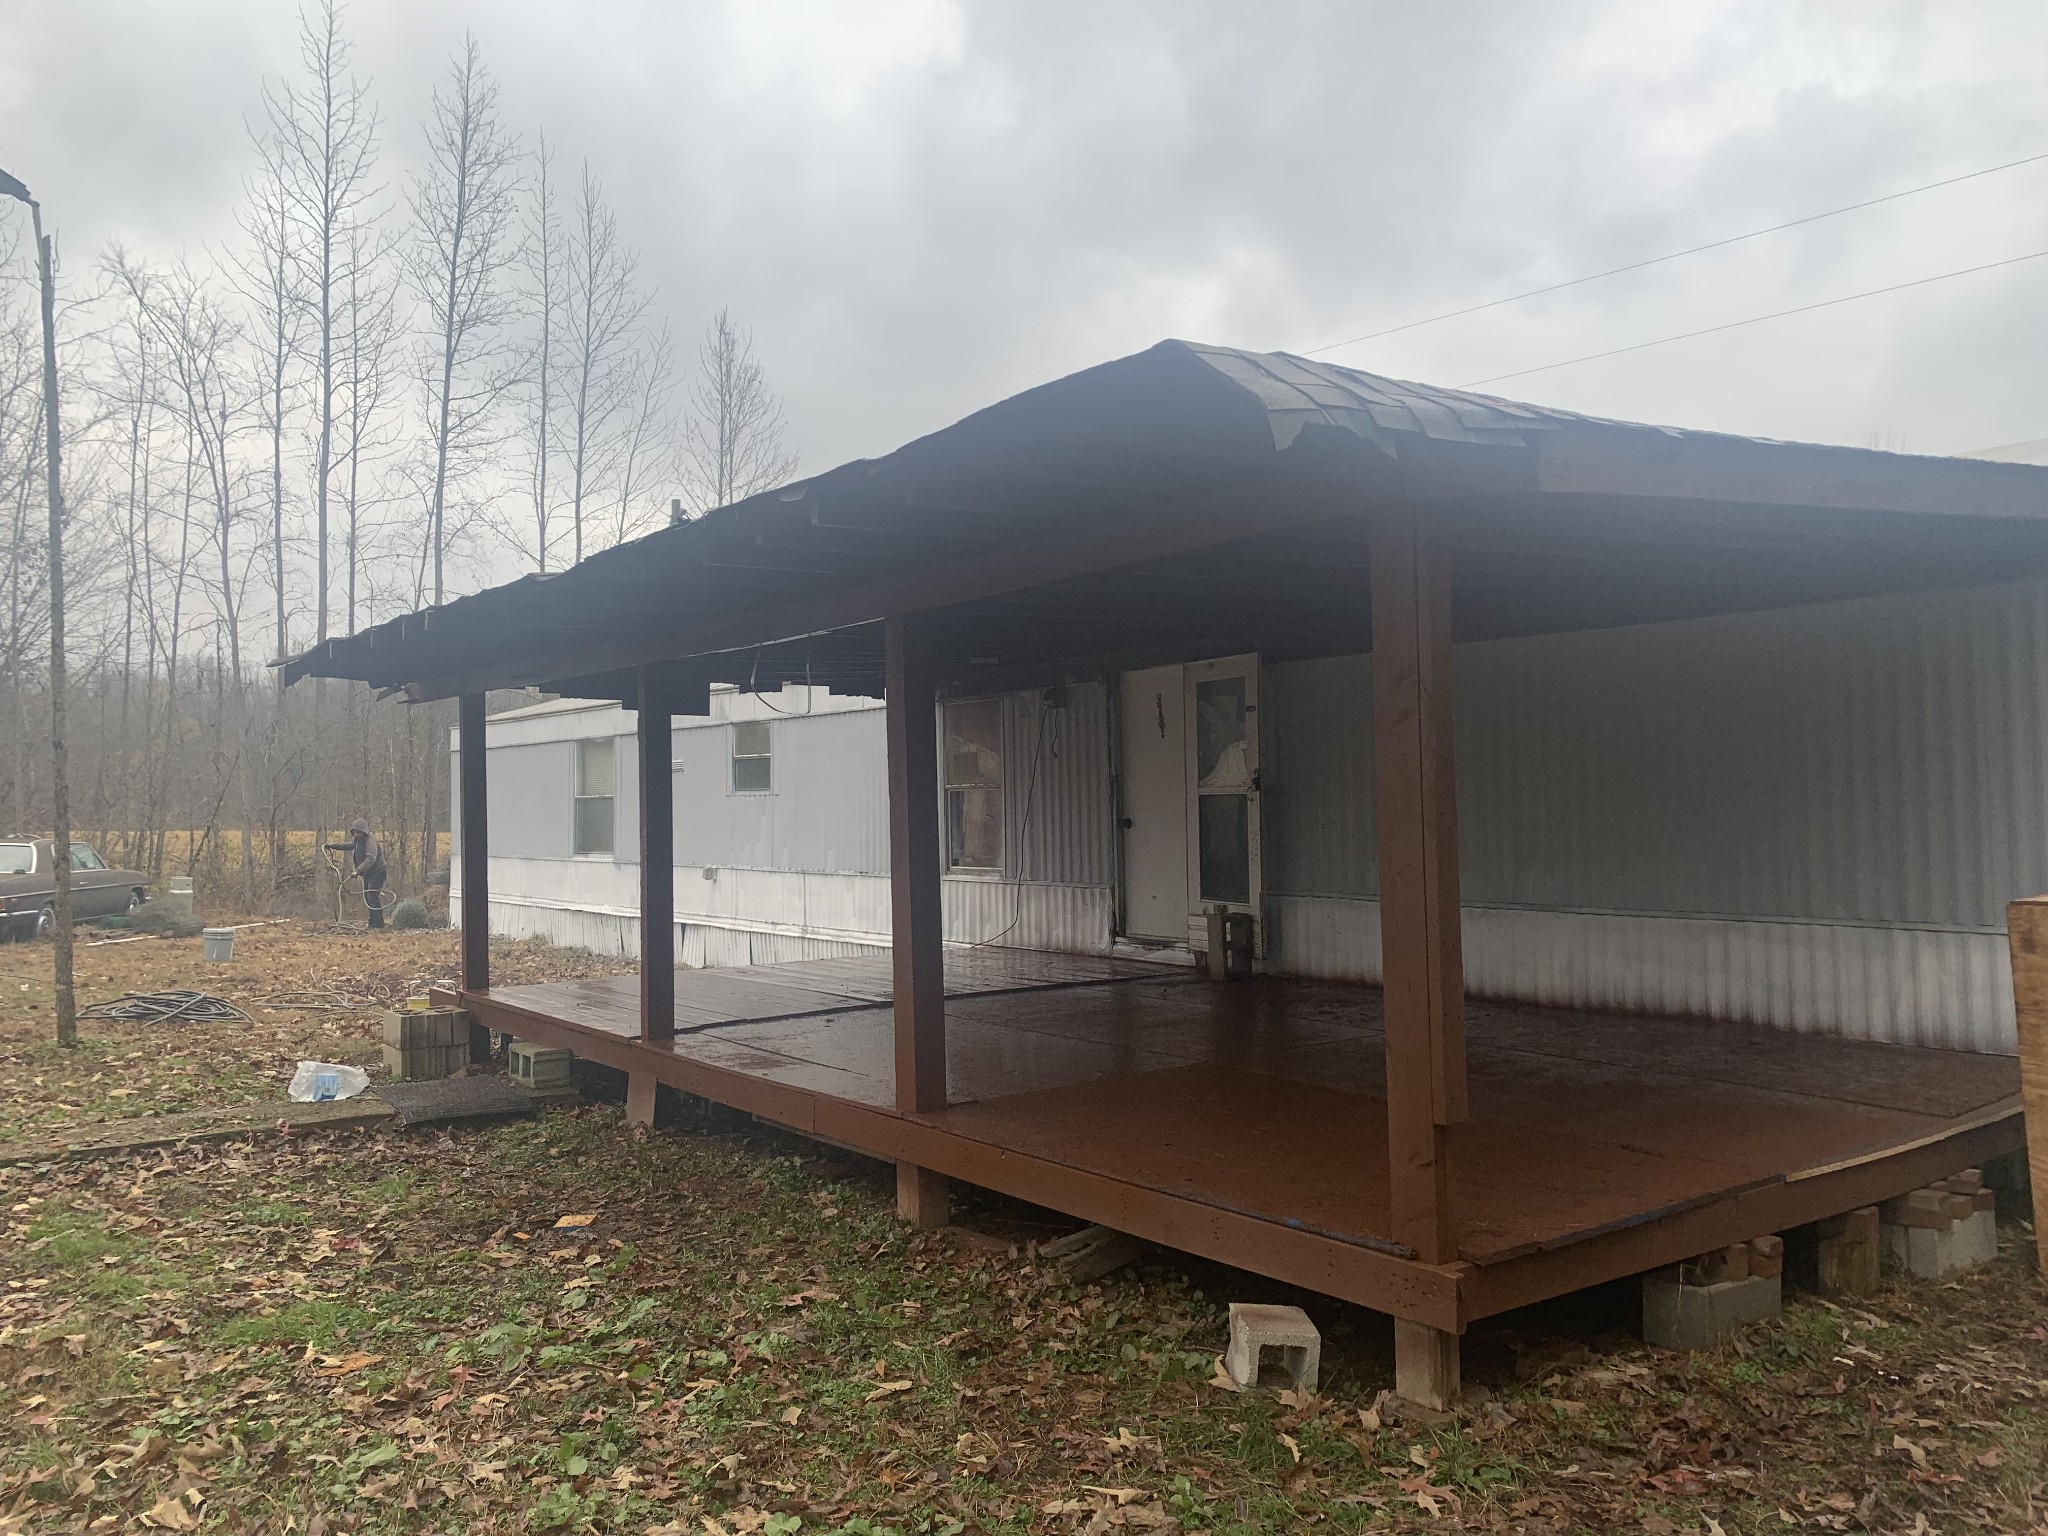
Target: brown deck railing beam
1420, 941
917, 936
2026, 925
476, 854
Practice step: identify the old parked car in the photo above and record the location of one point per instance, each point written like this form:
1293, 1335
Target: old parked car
28, 886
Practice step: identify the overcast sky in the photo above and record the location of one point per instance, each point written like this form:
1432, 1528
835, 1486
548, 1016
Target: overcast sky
922, 207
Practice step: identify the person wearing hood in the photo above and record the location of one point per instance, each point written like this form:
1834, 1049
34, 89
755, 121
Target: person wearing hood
368, 856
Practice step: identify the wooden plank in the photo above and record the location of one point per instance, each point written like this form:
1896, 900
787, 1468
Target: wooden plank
1768, 1207
1386, 1282
1221, 517
917, 942
476, 843
1420, 938
657, 863
2027, 931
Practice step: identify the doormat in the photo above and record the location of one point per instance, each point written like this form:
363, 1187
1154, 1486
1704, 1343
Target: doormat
455, 1098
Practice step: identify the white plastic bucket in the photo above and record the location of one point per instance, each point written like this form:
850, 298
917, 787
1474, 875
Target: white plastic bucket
220, 943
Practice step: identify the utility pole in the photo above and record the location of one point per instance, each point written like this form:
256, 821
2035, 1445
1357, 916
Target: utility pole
60, 788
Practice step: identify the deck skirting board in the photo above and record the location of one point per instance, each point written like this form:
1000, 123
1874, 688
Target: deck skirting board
1900, 985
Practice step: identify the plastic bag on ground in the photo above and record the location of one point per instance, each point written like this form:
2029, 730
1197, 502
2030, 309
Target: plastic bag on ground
316, 1082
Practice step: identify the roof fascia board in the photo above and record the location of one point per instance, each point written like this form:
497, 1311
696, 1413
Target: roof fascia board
1217, 518
1690, 466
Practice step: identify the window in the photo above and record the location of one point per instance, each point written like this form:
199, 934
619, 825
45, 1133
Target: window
17, 859
596, 784
974, 784
752, 773
83, 857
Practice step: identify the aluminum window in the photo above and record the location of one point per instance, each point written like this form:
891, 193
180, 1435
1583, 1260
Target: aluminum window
974, 784
753, 763
596, 796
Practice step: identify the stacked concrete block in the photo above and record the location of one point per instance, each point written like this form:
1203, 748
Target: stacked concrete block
539, 1067
421, 1044
1696, 1304
1941, 1229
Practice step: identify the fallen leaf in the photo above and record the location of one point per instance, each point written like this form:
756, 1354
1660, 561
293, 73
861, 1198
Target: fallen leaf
886, 1389
1293, 1447
171, 1514
575, 1221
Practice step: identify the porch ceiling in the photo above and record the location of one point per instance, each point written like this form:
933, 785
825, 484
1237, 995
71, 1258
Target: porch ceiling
1192, 501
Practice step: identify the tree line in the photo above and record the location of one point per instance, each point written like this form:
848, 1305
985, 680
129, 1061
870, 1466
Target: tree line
374, 394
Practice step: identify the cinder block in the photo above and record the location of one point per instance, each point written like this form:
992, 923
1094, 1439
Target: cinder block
1930, 1253
425, 1062
1849, 1253
1986, 1199
1767, 1257
539, 1067
1679, 1315
411, 1029
1268, 1341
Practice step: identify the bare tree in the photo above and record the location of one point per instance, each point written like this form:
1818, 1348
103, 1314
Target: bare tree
367, 336
325, 134
543, 292
267, 275
645, 465
464, 238
733, 438
605, 309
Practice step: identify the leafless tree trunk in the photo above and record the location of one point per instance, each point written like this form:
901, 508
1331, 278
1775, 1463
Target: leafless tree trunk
268, 280
646, 460
464, 212
733, 438
543, 295
604, 310
325, 130
368, 336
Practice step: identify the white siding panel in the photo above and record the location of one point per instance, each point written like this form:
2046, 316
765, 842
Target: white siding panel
1904, 985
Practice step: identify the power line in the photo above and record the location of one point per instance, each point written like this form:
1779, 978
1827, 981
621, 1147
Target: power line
1733, 325
1711, 245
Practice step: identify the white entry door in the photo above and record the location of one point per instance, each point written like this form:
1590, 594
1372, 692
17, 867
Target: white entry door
1155, 805
1222, 706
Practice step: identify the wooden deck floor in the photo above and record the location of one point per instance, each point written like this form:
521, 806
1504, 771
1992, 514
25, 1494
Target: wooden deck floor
1262, 1102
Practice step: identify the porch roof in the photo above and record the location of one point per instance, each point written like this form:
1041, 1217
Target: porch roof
1199, 500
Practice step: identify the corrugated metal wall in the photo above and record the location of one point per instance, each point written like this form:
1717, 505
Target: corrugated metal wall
828, 808
1876, 761
1059, 820
1812, 817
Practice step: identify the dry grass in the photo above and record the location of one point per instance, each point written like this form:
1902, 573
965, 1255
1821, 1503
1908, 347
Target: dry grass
379, 1332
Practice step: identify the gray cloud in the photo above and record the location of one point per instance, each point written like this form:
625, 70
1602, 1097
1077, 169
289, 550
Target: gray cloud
924, 206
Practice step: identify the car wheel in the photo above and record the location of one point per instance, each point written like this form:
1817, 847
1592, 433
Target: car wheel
46, 922
135, 901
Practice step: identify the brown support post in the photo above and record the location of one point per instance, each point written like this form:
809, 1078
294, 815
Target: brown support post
916, 918
2026, 924
657, 886
1414, 770
476, 852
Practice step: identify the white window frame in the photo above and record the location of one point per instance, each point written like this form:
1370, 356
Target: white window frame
948, 787
734, 757
582, 793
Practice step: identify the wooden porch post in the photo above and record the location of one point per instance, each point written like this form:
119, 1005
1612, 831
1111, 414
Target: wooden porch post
916, 917
476, 852
657, 888
2026, 926
1420, 943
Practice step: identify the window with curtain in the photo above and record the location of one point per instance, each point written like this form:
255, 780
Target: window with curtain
974, 784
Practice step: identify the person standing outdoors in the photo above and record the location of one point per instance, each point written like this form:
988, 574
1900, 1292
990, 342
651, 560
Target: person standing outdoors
367, 854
